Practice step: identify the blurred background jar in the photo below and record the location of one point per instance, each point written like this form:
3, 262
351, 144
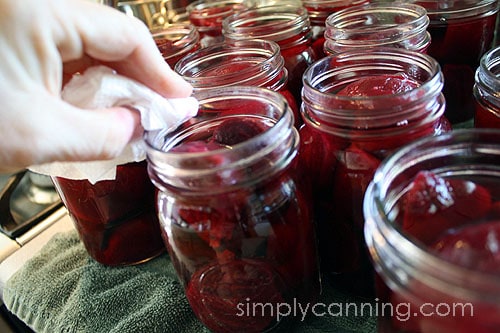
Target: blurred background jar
359, 106
234, 214
288, 25
176, 41
318, 11
461, 31
394, 24
432, 228
487, 90
115, 219
246, 62
207, 17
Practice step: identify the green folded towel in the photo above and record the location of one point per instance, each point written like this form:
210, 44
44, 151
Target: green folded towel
62, 289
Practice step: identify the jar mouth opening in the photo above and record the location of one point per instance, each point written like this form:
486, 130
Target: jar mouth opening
440, 11
275, 146
232, 63
274, 23
385, 237
488, 73
324, 78
210, 9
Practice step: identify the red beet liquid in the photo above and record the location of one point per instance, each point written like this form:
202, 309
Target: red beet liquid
459, 220
116, 219
486, 115
250, 245
458, 48
341, 169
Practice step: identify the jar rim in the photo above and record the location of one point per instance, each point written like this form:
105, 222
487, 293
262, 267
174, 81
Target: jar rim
193, 66
385, 238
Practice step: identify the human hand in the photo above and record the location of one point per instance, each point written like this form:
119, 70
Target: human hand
43, 43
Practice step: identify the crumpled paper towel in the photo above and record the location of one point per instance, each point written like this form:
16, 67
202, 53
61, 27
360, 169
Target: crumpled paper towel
101, 87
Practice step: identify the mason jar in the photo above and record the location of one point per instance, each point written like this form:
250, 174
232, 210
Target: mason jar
319, 10
207, 16
176, 41
432, 225
246, 62
115, 218
461, 31
358, 106
395, 24
486, 91
288, 25
235, 213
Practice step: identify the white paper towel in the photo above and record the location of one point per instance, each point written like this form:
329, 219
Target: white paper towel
101, 87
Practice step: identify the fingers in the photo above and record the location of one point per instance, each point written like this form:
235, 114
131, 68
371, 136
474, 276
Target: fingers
64, 134
125, 44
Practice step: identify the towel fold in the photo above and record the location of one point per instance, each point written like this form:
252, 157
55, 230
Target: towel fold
62, 289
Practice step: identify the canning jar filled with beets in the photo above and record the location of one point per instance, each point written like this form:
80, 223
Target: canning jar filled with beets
433, 229
244, 62
395, 24
461, 31
319, 10
235, 214
116, 219
486, 91
176, 41
358, 106
207, 16
288, 25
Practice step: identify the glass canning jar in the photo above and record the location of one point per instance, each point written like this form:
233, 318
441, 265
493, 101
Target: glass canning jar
246, 62
432, 227
207, 16
395, 24
115, 219
235, 214
319, 10
486, 91
176, 41
288, 25
358, 106
461, 31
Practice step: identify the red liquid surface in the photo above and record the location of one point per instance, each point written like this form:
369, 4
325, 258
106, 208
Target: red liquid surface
458, 48
251, 245
341, 169
116, 219
459, 220
173, 51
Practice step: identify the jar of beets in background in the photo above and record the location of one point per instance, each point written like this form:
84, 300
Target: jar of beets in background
235, 214
319, 10
288, 25
115, 219
207, 16
246, 62
433, 228
461, 31
358, 106
176, 41
395, 24
486, 89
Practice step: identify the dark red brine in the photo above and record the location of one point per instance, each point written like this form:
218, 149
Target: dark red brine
398, 25
435, 206
235, 217
288, 25
486, 88
115, 219
246, 62
461, 31
352, 122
